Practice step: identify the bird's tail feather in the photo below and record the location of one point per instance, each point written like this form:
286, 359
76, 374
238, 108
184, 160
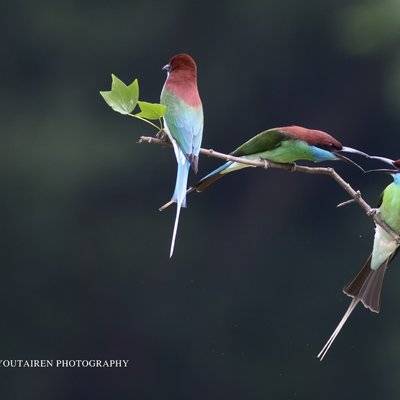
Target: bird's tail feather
345, 317
179, 196
182, 174
365, 287
202, 183
178, 211
212, 177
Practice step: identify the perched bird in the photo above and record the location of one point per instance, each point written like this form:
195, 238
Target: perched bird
183, 123
367, 285
281, 145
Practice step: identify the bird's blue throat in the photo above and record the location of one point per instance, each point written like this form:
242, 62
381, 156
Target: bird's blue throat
396, 178
322, 155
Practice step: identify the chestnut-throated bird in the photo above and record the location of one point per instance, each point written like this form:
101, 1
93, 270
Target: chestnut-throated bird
367, 285
183, 123
281, 145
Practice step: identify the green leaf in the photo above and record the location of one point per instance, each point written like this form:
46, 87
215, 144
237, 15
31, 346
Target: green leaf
122, 98
151, 110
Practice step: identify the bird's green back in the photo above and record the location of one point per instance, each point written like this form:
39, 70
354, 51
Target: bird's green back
264, 141
185, 122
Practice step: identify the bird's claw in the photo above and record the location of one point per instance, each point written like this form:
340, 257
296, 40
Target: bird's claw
266, 163
372, 212
161, 135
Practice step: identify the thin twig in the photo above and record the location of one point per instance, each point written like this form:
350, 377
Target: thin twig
355, 195
345, 203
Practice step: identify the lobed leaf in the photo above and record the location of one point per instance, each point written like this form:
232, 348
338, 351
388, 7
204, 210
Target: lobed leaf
151, 110
122, 98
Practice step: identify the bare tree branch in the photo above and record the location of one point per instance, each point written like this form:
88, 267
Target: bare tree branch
355, 195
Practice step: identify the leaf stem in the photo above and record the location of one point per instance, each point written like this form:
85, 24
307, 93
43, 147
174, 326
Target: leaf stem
146, 120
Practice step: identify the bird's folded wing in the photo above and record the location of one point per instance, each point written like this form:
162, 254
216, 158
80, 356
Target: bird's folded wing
264, 141
186, 128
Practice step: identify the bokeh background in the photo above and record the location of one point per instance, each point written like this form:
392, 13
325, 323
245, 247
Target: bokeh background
254, 288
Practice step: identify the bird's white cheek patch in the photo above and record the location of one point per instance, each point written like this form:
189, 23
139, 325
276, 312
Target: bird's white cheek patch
384, 247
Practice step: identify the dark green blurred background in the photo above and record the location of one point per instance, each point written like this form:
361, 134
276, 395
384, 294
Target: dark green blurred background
254, 288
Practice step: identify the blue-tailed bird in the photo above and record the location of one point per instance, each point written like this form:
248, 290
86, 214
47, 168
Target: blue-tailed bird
183, 123
366, 287
281, 145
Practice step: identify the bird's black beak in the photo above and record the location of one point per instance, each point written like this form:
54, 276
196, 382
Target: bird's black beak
166, 67
383, 159
350, 150
385, 170
340, 156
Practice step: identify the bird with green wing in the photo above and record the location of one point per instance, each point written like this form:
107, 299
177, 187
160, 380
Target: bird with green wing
366, 287
284, 145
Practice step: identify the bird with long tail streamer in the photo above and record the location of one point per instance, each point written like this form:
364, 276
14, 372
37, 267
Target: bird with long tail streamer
366, 287
183, 124
283, 145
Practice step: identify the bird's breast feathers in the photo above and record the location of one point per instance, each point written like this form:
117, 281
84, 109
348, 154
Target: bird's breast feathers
390, 207
384, 247
384, 244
